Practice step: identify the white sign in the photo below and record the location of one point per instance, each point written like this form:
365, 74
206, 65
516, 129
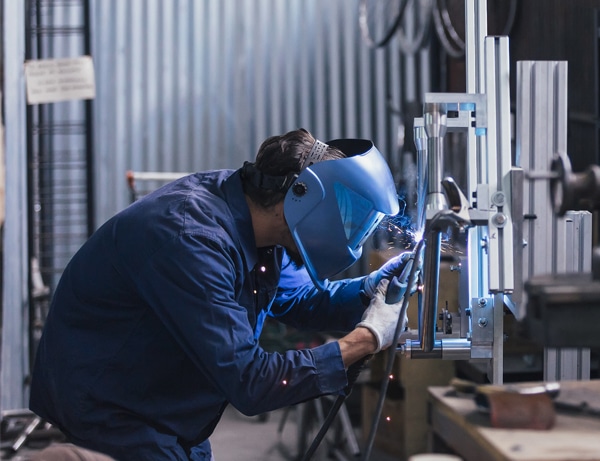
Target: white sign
53, 80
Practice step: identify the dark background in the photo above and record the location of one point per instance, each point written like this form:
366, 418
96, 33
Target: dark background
549, 30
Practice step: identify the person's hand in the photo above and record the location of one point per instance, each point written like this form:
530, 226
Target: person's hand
391, 268
380, 317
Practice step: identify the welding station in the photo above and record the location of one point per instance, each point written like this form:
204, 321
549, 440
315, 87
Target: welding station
485, 112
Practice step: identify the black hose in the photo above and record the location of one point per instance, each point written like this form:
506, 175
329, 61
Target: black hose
392, 353
356, 368
353, 373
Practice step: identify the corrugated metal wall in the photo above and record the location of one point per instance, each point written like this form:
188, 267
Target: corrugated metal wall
187, 85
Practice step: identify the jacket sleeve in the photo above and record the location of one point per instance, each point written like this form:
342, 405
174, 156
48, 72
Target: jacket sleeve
300, 304
191, 284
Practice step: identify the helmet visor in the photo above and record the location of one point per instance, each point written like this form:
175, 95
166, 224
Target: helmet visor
359, 219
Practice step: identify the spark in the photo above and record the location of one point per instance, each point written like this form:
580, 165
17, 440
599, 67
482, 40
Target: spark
399, 233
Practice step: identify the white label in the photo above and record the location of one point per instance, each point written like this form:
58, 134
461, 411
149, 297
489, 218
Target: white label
53, 80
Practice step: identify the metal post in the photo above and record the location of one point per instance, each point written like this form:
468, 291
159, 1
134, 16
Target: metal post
554, 245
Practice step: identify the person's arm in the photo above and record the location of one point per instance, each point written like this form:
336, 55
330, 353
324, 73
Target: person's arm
303, 306
357, 344
377, 328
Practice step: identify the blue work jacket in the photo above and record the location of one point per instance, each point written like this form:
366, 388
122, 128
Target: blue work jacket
154, 326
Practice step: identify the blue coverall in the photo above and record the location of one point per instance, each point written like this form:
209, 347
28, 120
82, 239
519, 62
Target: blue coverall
154, 326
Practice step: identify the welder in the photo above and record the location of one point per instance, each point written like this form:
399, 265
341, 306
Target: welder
154, 326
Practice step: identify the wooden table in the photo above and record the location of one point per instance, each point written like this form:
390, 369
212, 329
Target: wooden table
456, 421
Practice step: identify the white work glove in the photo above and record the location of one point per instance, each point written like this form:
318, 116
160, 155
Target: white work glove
381, 318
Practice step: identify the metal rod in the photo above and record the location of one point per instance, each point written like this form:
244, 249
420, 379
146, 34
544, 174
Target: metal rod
430, 289
435, 123
445, 349
420, 139
391, 352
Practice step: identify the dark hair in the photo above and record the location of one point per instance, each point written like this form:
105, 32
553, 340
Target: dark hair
281, 156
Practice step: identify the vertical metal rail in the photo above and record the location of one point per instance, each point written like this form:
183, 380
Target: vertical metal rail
499, 165
89, 126
14, 290
475, 32
554, 245
573, 249
428, 316
59, 157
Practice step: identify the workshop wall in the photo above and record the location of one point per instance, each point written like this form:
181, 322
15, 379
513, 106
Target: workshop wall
181, 86
190, 85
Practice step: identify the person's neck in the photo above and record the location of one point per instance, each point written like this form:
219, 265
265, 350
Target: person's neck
268, 224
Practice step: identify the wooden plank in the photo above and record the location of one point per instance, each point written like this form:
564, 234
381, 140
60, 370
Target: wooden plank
457, 421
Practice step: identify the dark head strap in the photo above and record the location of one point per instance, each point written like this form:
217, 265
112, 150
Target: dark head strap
264, 181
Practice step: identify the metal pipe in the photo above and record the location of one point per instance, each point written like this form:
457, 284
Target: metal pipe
435, 126
431, 274
435, 123
445, 349
420, 139
456, 349
431, 278
416, 351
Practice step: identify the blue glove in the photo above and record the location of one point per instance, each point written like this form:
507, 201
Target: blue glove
391, 268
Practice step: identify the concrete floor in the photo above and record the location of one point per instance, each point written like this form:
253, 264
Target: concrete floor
265, 438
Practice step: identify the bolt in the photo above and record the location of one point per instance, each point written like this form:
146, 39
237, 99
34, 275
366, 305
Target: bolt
482, 302
454, 267
482, 322
468, 311
498, 198
499, 219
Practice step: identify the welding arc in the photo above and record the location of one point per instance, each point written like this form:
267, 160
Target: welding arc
392, 353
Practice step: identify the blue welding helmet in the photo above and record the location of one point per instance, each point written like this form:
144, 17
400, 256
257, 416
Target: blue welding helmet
333, 206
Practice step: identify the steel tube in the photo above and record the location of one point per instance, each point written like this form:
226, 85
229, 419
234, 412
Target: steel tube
445, 349
431, 278
435, 123
456, 349
420, 139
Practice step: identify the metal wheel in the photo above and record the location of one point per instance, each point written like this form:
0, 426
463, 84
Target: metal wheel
379, 20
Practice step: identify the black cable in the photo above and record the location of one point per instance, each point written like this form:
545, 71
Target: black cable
356, 368
353, 372
392, 352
